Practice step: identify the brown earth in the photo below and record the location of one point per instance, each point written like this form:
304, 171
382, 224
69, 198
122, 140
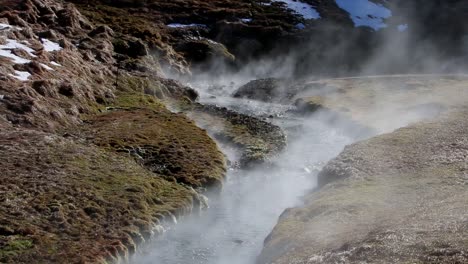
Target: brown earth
75, 188
94, 163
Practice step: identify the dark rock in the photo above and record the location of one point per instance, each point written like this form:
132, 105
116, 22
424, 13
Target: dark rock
102, 30
66, 89
267, 90
203, 50
48, 34
130, 46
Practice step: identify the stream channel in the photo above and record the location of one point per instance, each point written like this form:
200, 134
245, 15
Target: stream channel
233, 229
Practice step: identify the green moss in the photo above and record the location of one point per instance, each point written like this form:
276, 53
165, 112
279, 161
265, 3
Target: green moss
135, 100
75, 201
168, 144
15, 246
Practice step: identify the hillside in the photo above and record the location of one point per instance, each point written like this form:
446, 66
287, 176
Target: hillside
119, 118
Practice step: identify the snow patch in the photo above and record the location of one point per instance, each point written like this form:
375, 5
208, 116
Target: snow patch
300, 26
13, 44
303, 9
50, 45
55, 64
178, 25
21, 75
5, 26
402, 27
6, 51
16, 59
47, 67
365, 13
246, 20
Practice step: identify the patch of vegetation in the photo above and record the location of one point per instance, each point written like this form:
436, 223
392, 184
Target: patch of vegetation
75, 202
14, 246
166, 143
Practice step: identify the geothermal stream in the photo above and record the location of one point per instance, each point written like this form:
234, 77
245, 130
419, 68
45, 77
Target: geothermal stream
232, 230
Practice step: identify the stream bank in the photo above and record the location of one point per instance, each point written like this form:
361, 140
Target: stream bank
233, 229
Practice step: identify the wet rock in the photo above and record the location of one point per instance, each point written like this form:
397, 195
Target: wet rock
310, 104
257, 140
267, 90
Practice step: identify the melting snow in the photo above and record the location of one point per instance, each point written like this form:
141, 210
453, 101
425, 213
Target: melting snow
50, 45
403, 27
13, 44
177, 25
303, 9
5, 26
365, 13
47, 67
55, 64
300, 26
5, 51
9, 54
21, 75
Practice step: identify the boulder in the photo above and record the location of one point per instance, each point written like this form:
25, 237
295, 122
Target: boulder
203, 50
130, 46
267, 90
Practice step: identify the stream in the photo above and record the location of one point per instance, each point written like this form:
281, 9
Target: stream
232, 230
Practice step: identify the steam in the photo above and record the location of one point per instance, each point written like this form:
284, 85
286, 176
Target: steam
233, 229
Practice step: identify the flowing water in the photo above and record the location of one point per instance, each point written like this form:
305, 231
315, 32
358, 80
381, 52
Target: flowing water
232, 230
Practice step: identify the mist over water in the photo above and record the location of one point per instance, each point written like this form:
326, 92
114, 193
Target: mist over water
232, 230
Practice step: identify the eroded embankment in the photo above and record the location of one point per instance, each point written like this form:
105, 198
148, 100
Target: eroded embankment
398, 197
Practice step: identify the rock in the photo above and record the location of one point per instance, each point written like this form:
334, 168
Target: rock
71, 18
48, 34
309, 104
246, 41
203, 50
267, 90
107, 31
129, 46
257, 140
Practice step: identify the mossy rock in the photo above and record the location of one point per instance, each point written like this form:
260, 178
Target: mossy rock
257, 140
64, 201
311, 104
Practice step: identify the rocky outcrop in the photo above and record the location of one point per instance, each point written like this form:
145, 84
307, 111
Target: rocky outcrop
256, 140
267, 90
